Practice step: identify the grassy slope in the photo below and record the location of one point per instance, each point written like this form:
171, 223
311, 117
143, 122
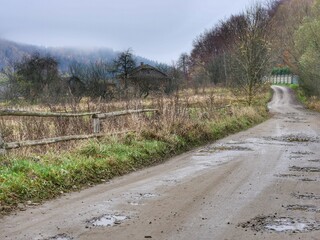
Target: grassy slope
35, 179
311, 102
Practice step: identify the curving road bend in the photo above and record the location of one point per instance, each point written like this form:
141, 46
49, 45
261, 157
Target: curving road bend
262, 183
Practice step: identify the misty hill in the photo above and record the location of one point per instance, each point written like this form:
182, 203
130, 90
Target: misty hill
11, 52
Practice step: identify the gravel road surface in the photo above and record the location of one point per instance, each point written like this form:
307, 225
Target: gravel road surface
262, 183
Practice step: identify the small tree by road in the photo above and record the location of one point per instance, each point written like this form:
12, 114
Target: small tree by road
249, 50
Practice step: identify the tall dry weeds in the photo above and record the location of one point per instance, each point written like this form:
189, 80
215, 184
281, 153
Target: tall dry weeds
182, 114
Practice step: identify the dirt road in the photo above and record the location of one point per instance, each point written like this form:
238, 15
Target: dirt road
259, 184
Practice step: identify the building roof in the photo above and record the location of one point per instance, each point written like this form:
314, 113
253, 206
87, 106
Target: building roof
146, 68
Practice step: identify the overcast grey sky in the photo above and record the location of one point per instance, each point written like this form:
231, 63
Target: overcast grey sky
157, 29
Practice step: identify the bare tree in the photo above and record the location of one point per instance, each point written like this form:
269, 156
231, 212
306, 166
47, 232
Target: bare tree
184, 63
249, 50
124, 63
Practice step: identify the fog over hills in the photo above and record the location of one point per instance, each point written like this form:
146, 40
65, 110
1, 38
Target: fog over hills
11, 52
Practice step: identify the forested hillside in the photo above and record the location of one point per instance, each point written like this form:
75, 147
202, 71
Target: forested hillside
277, 34
11, 52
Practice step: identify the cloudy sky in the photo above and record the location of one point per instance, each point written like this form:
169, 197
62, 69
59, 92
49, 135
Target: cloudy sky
157, 29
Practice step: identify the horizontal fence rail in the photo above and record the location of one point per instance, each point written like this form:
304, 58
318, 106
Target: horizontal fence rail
46, 141
96, 116
9, 112
121, 113
100, 116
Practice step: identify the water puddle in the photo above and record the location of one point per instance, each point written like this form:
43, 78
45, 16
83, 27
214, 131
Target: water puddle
306, 196
294, 138
283, 225
60, 237
314, 160
303, 153
287, 175
308, 179
304, 169
146, 195
171, 181
134, 203
306, 208
223, 148
280, 224
107, 220
301, 177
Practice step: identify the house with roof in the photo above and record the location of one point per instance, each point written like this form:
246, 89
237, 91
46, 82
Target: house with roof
145, 79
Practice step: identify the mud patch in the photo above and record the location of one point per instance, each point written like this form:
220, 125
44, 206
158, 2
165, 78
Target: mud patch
142, 196
224, 148
294, 138
314, 160
306, 196
287, 175
107, 220
301, 177
303, 153
62, 236
147, 195
305, 208
280, 224
304, 169
308, 179
171, 181
295, 157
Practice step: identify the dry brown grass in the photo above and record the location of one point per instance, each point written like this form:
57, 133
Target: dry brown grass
314, 103
180, 113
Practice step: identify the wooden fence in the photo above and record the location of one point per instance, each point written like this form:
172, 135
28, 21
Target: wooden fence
96, 116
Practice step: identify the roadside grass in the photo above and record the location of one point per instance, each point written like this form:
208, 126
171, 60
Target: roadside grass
32, 177
311, 102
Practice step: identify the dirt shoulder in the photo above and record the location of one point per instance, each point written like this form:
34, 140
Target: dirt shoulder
262, 183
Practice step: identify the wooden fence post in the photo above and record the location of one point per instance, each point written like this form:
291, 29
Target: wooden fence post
2, 148
96, 125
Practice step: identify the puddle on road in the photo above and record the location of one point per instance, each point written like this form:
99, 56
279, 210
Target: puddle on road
314, 160
294, 138
306, 196
283, 225
224, 148
60, 237
287, 175
301, 177
305, 208
136, 197
303, 153
134, 203
308, 179
147, 195
107, 220
304, 169
171, 181
280, 224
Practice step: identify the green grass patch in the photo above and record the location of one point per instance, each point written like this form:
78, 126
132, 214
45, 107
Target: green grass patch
300, 93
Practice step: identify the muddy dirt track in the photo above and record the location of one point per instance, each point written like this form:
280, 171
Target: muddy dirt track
262, 183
